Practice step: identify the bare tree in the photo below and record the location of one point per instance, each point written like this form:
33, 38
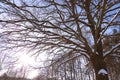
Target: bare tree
61, 27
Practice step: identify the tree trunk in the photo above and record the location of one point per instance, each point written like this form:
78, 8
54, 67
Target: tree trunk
100, 68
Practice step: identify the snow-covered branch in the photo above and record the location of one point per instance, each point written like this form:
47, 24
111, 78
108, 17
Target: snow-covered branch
106, 27
102, 71
112, 50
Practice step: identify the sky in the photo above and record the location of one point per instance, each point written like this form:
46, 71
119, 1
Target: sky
24, 58
25, 61
28, 61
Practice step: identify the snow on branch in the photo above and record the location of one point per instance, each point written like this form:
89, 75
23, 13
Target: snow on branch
112, 50
102, 71
106, 27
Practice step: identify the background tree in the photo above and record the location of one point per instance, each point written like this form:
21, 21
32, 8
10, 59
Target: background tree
61, 27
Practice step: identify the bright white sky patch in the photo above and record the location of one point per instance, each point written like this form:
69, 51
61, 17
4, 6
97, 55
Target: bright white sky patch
29, 63
2, 72
23, 61
33, 74
26, 60
102, 71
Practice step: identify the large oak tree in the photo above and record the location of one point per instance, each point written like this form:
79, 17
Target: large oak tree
69, 26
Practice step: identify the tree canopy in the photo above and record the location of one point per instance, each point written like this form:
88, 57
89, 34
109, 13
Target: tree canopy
61, 27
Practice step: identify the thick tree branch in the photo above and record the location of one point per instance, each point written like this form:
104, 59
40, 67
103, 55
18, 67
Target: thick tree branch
111, 51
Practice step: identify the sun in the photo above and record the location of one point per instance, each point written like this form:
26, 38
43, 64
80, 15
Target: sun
28, 63
26, 60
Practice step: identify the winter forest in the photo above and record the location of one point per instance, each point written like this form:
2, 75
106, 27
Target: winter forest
59, 39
